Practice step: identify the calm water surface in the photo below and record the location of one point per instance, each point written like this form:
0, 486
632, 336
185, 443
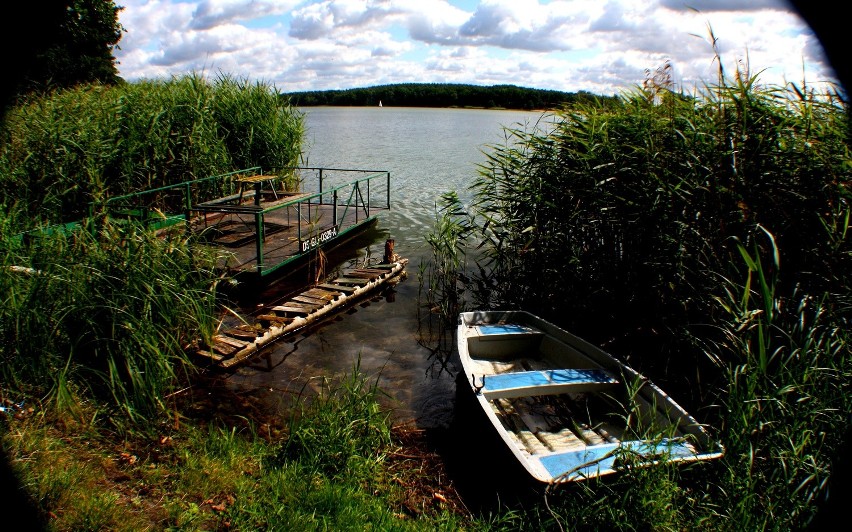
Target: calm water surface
428, 152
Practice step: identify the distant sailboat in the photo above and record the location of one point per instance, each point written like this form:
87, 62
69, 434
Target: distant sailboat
380, 103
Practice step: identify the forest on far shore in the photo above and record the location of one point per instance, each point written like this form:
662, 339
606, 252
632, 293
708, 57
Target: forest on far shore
444, 95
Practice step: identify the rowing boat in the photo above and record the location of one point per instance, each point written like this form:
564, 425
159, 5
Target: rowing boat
565, 408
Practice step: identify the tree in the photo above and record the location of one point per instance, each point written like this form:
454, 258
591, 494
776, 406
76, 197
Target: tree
60, 43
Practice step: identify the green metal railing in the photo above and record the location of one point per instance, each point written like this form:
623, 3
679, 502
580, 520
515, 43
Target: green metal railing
350, 196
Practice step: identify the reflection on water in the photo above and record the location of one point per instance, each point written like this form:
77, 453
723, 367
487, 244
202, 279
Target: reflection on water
428, 152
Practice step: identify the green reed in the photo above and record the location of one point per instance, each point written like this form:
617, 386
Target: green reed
632, 224
446, 273
623, 211
110, 310
342, 431
788, 397
64, 150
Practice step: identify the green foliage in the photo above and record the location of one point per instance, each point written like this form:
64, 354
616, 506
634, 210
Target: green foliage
632, 224
78, 48
788, 397
203, 477
446, 274
343, 431
444, 95
626, 212
110, 311
70, 148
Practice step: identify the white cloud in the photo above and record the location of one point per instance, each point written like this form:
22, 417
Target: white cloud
602, 47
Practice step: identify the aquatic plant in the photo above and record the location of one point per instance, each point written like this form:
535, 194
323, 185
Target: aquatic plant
703, 238
110, 311
65, 150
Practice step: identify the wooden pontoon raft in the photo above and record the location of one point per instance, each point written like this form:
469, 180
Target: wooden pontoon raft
267, 223
272, 223
237, 345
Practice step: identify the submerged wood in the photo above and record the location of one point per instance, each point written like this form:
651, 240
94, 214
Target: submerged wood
232, 347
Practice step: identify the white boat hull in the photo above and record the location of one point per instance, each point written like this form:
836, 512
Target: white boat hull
565, 408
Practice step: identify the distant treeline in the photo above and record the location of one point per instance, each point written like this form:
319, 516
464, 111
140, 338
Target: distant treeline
444, 95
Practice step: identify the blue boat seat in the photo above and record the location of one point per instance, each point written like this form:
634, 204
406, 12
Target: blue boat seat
545, 382
593, 460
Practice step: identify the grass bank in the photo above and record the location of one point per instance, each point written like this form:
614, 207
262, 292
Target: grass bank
222, 463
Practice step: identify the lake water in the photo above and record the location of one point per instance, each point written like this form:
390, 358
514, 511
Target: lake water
428, 152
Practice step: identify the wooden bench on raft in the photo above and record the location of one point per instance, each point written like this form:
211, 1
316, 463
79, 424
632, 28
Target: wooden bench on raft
545, 382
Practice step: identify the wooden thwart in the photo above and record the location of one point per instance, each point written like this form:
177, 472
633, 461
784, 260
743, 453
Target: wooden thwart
546, 382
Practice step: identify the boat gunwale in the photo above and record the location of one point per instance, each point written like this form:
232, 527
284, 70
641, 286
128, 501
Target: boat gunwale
655, 397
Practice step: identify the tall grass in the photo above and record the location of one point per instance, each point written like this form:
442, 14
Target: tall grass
618, 220
788, 398
445, 275
64, 150
343, 431
703, 238
111, 308
111, 312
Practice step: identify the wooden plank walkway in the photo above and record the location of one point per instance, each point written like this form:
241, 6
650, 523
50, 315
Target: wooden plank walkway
237, 345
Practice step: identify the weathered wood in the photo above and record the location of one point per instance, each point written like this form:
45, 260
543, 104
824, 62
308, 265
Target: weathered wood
274, 318
241, 333
230, 341
390, 257
299, 304
302, 298
360, 274
208, 355
223, 348
338, 287
301, 310
326, 294
372, 271
352, 280
293, 308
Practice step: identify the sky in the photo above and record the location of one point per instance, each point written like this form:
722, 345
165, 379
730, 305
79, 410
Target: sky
600, 46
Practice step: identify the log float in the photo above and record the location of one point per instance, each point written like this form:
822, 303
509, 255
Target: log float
236, 345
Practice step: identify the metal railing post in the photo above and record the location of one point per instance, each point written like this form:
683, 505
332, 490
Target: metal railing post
188, 204
334, 212
299, 226
258, 221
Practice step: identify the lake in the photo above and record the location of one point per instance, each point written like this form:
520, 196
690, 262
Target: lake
428, 152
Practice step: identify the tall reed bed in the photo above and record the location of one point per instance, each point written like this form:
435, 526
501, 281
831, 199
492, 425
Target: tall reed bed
64, 150
443, 278
620, 221
703, 239
104, 313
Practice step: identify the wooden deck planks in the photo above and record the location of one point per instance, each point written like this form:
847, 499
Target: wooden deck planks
221, 338
327, 294
338, 287
310, 300
235, 345
360, 281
